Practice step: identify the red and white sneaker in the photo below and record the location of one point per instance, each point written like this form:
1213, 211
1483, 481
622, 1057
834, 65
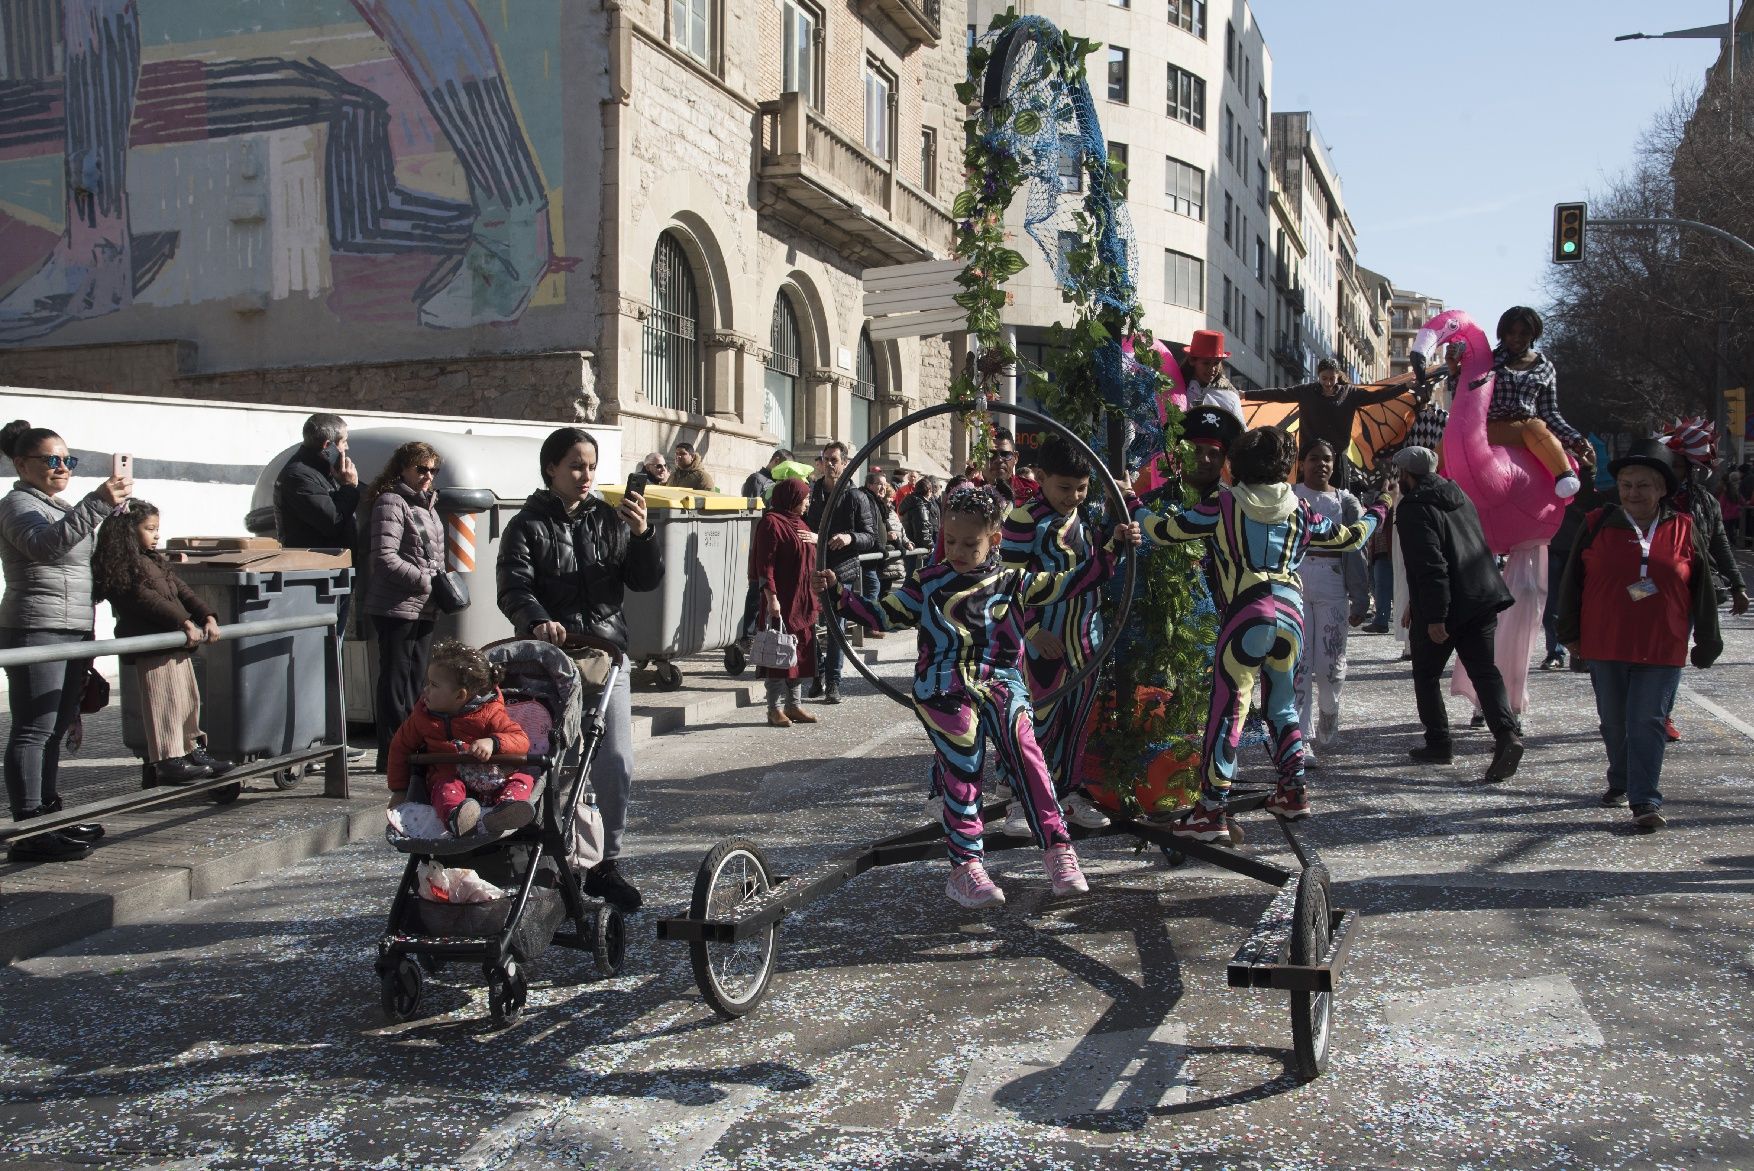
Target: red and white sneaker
1670, 732
970, 886
1062, 866
1205, 823
1289, 802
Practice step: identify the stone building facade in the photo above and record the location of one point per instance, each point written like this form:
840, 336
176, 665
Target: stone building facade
653, 214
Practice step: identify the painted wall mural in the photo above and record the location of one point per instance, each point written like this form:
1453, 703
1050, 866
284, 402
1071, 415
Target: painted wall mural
388, 156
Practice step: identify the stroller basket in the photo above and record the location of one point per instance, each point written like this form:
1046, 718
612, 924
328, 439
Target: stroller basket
530, 939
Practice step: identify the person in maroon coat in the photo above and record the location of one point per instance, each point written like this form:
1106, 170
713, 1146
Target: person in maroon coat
781, 560
131, 574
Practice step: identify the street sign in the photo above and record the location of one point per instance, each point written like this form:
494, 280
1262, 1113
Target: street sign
1569, 221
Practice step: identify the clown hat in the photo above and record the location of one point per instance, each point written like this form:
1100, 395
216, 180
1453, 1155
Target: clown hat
1695, 438
1206, 343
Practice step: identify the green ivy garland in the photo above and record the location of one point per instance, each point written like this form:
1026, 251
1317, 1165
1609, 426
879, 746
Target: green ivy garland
1169, 644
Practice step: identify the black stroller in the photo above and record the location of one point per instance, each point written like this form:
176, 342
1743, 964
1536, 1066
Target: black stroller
541, 866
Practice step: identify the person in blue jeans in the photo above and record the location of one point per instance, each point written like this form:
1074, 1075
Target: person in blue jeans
1638, 576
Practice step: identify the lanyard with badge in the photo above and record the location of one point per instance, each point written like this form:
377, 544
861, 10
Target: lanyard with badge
1644, 587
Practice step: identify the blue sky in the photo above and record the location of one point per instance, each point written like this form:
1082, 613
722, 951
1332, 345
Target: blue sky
1454, 137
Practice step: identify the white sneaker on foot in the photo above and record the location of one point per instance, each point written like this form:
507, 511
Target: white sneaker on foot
969, 886
1015, 825
1082, 812
1566, 486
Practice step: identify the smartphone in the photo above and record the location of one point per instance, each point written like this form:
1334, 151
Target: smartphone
636, 484
122, 464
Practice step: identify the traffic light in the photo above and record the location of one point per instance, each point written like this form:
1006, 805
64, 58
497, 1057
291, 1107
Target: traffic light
1568, 225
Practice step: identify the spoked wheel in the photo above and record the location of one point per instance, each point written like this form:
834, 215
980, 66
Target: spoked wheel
507, 990
609, 941
732, 976
1312, 1013
401, 988
669, 675
736, 662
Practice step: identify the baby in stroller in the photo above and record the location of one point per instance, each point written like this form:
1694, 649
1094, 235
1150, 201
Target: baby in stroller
462, 711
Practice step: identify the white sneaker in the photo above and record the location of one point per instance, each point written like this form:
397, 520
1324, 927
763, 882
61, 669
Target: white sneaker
1082, 812
1566, 486
1015, 825
1309, 757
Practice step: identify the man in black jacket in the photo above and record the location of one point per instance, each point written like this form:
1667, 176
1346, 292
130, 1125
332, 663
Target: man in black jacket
1455, 595
856, 527
316, 495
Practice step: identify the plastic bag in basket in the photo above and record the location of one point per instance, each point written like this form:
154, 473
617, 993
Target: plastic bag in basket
455, 884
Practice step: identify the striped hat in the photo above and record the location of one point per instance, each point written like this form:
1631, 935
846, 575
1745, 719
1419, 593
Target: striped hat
1695, 438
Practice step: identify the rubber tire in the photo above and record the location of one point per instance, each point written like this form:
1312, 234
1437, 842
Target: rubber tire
669, 675
507, 990
736, 662
1312, 1013
401, 989
226, 794
609, 941
1173, 858
728, 1003
287, 778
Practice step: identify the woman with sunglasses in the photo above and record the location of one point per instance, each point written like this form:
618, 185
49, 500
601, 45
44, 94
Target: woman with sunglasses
405, 550
45, 552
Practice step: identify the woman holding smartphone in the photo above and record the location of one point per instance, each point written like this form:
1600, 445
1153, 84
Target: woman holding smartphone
566, 561
45, 552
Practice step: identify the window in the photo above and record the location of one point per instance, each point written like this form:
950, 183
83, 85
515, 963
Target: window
879, 96
1230, 48
973, 35
1260, 260
864, 421
1229, 134
1187, 98
1262, 97
1071, 163
1189, 16
1229, 293
1261, 175
673, 366
798, 46
1229, 220
1064, 243
1242, 233
1186, 188
779, 412
1117, 153
928, 160
1117, 74
1247, 74
1184, 280
1261, 334
691, 28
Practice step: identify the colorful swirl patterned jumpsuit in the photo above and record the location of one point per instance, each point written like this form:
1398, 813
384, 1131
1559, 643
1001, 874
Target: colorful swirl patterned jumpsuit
1039, 539
968, 685
1259, 536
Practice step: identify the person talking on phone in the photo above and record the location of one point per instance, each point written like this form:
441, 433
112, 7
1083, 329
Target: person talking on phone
316, 495
46, 546
566, 562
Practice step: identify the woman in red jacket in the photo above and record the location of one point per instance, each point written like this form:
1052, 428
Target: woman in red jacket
1636, 579
130, 573
780, 561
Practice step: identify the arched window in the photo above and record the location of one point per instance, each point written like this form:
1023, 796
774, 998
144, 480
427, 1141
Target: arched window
779, 412
673, 367
865, 418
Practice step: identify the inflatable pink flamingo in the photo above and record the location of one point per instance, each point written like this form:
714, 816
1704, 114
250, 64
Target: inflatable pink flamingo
1509, 488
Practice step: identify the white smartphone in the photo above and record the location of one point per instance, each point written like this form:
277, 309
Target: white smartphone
122, 464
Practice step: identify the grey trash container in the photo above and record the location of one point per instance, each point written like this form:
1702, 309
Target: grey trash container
261, 695
705, 538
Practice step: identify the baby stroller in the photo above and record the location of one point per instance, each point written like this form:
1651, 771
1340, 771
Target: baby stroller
541, 866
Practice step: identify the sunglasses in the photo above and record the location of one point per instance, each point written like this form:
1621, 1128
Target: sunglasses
57, 462
433, 471
1003, 454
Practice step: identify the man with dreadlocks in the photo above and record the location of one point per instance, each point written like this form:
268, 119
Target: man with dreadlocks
968, 685
1692, 445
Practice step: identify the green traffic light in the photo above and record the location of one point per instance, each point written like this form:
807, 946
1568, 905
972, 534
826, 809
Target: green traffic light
1568, 247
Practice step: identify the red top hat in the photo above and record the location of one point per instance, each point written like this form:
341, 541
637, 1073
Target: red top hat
1207, 343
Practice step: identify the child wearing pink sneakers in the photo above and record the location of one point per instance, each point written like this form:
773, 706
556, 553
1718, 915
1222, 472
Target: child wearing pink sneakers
968, 685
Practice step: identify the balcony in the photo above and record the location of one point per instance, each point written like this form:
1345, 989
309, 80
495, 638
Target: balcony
822, 183
916, 20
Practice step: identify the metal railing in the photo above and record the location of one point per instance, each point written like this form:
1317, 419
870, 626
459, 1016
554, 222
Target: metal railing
333, 750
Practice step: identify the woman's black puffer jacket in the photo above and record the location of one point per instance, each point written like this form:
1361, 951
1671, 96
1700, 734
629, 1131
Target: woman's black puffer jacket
573, 570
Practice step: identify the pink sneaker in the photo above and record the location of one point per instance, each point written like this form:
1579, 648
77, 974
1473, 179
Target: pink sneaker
970, 886
1062, 867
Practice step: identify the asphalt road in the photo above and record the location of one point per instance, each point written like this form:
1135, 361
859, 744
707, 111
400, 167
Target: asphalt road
1533, 985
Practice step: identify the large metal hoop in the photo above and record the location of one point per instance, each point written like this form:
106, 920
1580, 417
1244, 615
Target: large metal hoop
1111, 486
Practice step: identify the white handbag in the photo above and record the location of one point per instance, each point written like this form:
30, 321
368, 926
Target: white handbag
774, 649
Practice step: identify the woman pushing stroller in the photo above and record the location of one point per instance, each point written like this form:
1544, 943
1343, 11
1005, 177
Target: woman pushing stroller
969, 685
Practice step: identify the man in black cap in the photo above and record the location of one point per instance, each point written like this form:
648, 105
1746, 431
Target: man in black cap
1455, 594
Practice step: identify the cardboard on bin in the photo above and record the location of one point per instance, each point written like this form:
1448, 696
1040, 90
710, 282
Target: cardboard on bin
219, 544
662, 496
275, 560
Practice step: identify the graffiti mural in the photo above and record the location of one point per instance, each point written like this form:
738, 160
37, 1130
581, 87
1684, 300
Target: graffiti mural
381, 146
